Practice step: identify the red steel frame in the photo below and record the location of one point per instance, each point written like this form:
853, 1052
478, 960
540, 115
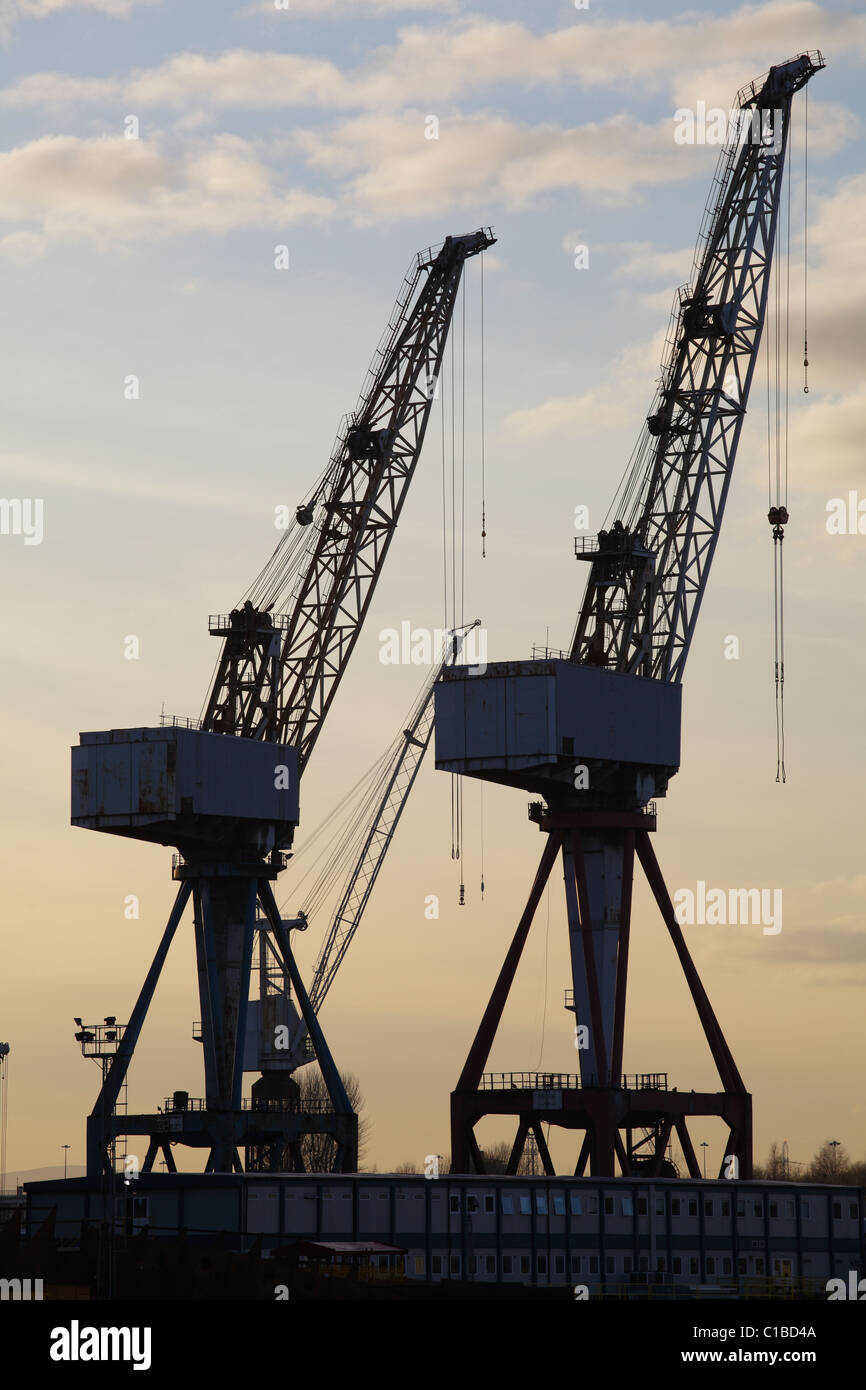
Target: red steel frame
602, 1112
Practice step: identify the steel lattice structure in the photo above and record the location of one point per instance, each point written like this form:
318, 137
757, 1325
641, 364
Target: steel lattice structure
648, 578
226, 793
277, 680
598, 734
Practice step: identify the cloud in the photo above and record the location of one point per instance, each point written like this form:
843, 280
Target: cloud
55, 476
642, 261
389, 168
50, 91
41, 9
828, 430
341, 9
828, 438
22, 248
826, 945
376, 158
837, 287
114, 190
242, 78
618, 401
13, 10
463, 57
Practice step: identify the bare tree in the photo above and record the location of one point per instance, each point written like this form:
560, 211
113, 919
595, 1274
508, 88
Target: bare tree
830, 1164
495, 1157
318, 1150
776, 1167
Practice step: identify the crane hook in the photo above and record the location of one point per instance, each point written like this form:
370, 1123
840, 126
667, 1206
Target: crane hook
778, 519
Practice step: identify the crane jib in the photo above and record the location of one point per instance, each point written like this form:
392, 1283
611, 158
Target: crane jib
645, 587
280, 690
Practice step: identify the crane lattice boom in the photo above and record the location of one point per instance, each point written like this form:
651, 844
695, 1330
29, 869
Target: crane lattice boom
278, 675
649, 572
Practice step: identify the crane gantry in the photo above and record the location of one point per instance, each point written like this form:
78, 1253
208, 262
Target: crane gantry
597, 733
224, 791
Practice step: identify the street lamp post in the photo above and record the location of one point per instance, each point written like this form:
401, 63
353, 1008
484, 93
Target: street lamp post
705, 1146
65, 1148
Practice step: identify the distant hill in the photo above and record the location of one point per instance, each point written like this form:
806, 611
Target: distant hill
17, 1179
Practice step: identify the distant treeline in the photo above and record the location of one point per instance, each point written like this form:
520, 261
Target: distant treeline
830, 1164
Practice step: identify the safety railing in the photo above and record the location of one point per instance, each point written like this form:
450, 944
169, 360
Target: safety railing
237, 621
279, 1106
564, 1081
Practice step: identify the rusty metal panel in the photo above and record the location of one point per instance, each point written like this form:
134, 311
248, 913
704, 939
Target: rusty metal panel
618, 717
520, 715
530, 718
152, 776
134, 777
112, 780
485, 716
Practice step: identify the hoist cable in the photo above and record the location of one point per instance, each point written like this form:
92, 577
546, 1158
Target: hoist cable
776, 655
463, 461
482, 840
778, 513
349, 823
455, 842
778, 360
781, 662
769, 428
483, 462
462, 895
806, 248
453, 494
787, 323
444, 512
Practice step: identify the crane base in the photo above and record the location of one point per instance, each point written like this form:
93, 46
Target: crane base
271, 1137
601, 1101
621, 1125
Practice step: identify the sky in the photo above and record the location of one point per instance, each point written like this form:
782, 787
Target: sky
153, 157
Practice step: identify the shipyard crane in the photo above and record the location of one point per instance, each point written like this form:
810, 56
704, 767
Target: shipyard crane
224, 791
597, 733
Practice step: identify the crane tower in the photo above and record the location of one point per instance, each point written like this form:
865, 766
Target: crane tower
596, 734
224, 791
